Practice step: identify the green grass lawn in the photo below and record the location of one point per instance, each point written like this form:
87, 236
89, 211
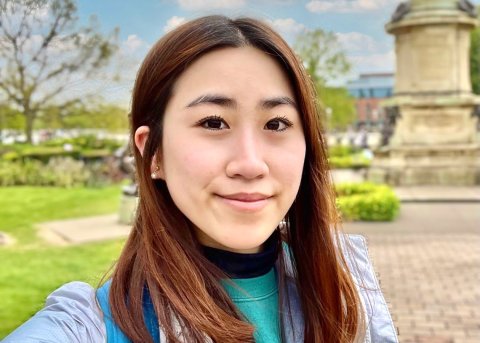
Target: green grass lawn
22, 207
31, 269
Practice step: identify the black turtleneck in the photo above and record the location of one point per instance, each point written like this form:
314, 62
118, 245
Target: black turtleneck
242, 266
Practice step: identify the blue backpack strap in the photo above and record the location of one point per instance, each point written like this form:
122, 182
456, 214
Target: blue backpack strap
114, 333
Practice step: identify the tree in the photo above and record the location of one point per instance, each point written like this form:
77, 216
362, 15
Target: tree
339, 107
322, 56
109, 117
10, 119
475, 58
324, 60
43, 52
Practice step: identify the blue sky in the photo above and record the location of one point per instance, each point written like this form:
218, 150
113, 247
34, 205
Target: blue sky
359, 25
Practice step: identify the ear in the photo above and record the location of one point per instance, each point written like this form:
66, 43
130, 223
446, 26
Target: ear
141, 136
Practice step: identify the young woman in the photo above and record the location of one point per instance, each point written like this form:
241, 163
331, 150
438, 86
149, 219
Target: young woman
235, 237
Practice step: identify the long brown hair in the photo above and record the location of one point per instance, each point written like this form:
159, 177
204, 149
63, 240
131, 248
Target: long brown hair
162, 254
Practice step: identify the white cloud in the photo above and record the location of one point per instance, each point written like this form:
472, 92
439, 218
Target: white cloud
278, 2
132, 44
356, 42
173, 22
366, 53
287, 26
17, 11
58, 46
379, 62
318, 6
210, 4
362, 64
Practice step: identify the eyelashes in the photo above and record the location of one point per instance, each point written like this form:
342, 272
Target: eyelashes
216, 123
212, 123
276, 123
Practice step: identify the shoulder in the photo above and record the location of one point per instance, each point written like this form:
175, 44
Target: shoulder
71, 314
379, 321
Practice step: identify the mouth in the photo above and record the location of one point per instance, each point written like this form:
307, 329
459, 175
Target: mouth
245, 202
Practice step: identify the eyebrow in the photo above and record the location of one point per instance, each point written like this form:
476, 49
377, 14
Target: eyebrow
277, 101
225, 101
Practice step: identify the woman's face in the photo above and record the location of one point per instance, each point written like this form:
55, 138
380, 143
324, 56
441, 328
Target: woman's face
233, 147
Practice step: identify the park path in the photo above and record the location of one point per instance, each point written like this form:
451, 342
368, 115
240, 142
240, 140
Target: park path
428, 260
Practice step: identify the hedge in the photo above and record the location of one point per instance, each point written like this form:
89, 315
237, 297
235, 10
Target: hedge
347, 162
80, 148
340, 150
86, 142
367, 202
45, 153
345, 157
59, 172
62, 172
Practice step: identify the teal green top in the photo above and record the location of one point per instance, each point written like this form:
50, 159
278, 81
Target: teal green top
257, 299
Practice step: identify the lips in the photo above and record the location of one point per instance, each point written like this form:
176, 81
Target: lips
245, 202
247, 197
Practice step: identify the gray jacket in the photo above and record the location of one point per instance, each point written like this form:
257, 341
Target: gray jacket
72, 314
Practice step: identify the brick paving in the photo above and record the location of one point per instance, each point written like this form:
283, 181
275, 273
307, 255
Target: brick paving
428, 262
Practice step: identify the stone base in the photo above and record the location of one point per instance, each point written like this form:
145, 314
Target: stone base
422, 121
127, 210
454, 165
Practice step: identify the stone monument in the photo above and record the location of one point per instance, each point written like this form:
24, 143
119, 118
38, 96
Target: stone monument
434, 140
129, 199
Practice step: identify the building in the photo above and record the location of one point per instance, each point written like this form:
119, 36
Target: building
369, 90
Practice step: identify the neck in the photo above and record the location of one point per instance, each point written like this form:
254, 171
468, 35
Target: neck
246, 265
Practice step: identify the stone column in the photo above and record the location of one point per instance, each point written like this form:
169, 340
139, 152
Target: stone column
435, 138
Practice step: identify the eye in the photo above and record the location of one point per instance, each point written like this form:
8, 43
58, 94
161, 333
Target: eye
278, 124
213, 123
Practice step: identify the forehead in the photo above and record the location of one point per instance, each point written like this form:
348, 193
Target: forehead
238, 71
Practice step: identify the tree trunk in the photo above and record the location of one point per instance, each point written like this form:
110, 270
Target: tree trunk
30, 117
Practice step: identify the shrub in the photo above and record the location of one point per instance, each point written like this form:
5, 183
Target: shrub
66, 172
86, 142
105, 172
10, 156
345, 157
367, 201
340, 150
44, 154
10, 173
61, 172
48, 151
349, 162
96, 154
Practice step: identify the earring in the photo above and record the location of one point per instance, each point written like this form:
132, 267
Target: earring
154, 174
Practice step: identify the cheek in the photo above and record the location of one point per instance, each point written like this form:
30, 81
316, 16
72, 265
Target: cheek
293, 174
290, 164
189, 162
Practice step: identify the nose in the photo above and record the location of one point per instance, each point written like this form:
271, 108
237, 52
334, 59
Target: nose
247, 157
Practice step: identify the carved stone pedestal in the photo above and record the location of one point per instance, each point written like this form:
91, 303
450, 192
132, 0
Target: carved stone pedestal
435, 139
455, 165
127, 209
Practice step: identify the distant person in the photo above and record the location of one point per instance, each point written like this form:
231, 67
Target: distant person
235, 238
363, 138
351, 134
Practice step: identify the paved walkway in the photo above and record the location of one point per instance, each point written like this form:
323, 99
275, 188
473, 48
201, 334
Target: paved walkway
438, 194
83, 230
428, 261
